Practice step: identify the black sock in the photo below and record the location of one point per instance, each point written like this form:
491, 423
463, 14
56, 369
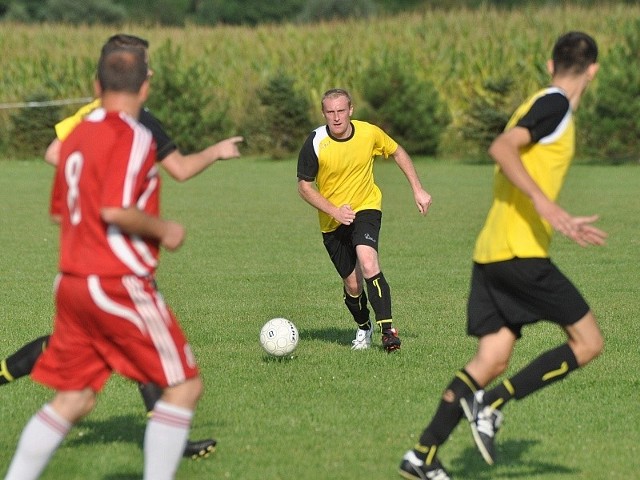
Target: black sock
548, 368
21, 362
380, 299
358, 308
151, 393
499, 395
446, 417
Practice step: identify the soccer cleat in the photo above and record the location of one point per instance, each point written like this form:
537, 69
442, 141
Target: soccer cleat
199, 448
390, 340
485, 422
412, 468
362, 340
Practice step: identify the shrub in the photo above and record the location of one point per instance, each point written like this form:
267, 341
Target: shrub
280, 122
31, 129
181, 96
91, 12
408, 108
610, 117
319, 10
487, 116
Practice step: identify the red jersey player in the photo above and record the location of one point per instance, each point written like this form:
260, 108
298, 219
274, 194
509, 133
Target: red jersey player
109, 315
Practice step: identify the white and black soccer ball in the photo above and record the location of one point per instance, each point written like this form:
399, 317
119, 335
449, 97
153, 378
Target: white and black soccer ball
279, 337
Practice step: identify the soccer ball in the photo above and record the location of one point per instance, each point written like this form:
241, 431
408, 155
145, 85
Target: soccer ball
279, 337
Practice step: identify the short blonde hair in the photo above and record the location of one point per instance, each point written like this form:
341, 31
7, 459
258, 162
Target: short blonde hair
335, 93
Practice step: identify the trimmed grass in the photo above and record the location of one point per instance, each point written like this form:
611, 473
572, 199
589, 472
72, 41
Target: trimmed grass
254, 252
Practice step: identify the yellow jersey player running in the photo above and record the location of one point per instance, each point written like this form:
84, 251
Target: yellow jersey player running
338, 157
513, 282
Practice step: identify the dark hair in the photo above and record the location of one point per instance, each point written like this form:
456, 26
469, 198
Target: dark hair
123, 40
123, 69
574, 52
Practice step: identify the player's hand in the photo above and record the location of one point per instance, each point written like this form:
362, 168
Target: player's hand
345, 215
578, 229
423, 201
173, 236
585, 234
228, 148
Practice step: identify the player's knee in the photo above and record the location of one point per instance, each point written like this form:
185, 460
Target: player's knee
589, 349
185, 394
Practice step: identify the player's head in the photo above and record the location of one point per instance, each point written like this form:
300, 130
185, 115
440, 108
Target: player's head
337, 111
125, 40
122, 69
574, 53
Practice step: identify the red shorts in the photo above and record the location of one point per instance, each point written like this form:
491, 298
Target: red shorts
113, 324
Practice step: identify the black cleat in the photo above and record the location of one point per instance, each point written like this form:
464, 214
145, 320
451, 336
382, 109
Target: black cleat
199, 448
390, 340
484, 422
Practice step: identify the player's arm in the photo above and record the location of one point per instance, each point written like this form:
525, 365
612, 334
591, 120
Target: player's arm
505, 151
136, 222
403, 160
343, 214
52, 154
183, 167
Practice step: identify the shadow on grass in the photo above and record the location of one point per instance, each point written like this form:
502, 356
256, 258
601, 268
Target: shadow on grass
121, 429
510, 463
125, 429
122, 476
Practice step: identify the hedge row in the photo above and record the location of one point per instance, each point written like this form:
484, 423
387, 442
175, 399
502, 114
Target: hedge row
443, 82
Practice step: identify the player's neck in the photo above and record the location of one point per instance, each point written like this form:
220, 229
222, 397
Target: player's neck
573, 86
122, 102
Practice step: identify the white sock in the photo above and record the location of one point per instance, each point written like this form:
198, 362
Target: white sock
164, 440
39, 440
412, 457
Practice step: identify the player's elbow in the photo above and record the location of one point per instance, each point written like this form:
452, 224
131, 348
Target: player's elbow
303, 188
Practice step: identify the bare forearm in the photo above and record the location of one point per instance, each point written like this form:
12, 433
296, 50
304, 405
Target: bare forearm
135, 222
403, 160
315, 199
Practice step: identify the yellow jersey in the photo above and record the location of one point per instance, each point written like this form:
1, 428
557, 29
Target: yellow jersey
343, 168
513, 228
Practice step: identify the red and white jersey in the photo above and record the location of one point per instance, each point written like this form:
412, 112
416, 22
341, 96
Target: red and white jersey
98, 169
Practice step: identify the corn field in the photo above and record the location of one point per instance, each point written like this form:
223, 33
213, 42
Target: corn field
457, 50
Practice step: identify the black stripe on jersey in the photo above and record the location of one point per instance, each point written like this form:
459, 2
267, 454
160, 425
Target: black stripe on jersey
165, 145
545, 115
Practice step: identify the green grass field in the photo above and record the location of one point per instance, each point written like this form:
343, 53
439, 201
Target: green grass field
254, 252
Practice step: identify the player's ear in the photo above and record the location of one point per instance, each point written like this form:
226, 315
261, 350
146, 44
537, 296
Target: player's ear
144, 90
96, 88
592, 70
550, 68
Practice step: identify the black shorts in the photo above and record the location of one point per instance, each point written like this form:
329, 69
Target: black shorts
518, 292
341, 243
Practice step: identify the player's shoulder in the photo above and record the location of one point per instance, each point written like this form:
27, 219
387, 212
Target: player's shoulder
552, 98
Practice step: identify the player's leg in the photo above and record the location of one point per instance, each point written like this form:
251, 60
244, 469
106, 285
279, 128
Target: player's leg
365, 238
46, 430
168, 428
537, 290
490, 360
355, 300
584, 343
422, 461
20, 363
194, 449
343, 257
